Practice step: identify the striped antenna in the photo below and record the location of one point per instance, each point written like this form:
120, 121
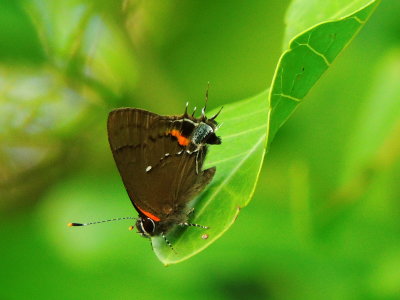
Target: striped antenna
208, 87
98, 222
194, 225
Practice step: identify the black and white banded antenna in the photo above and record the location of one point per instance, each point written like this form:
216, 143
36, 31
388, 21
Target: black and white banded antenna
73, 224
193, 225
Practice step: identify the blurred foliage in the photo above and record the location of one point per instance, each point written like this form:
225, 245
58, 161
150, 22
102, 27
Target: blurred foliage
324, 223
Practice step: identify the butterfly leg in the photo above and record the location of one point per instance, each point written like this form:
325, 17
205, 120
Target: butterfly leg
168, 242
203, 111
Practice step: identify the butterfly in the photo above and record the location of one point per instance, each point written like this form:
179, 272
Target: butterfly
160, 161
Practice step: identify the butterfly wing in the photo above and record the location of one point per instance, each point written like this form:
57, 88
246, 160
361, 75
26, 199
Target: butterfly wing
159, 175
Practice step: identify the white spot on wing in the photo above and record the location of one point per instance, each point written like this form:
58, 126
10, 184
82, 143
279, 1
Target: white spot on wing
148, 168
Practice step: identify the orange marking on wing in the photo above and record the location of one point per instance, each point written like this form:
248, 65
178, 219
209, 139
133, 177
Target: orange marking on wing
181, 139
147, 214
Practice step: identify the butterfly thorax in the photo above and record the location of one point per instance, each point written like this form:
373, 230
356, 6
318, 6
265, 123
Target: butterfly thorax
194, 133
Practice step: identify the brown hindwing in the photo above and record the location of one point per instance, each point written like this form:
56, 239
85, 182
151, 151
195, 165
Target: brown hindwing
158, 174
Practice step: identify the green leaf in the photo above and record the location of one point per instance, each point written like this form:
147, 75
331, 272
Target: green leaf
305, 14
312, 51
238, 161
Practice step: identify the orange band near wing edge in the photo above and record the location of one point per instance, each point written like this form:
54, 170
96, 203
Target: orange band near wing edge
147, 214
181, 139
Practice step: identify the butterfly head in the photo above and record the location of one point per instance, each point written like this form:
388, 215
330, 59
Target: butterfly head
146, 226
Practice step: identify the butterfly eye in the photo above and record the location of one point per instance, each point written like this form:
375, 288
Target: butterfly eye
147, 226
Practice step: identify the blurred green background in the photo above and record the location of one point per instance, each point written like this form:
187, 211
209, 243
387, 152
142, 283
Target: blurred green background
324, 222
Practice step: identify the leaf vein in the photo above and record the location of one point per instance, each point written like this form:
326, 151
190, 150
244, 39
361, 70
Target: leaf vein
255, 112
227, 159
288, 96
317, 53
244, 132
357, 19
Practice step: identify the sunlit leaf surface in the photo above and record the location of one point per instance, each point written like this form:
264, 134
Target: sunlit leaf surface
238, 161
